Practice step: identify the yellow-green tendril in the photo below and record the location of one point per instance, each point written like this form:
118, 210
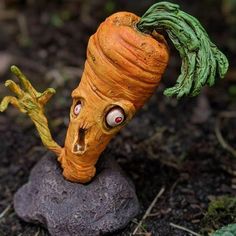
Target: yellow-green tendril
201, 59
31, 102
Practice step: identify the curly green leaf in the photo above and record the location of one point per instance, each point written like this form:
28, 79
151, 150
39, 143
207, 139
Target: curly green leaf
201, 59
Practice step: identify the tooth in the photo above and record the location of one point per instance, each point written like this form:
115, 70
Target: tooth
80, 147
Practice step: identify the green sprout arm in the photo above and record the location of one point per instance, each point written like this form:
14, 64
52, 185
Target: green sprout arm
201, 59
31, 102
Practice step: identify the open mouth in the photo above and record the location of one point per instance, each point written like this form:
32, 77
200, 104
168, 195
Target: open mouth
79, 145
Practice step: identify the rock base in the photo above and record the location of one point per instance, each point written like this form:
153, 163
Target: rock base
103, 206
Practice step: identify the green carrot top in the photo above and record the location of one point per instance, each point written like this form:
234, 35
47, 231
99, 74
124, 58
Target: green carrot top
201, 59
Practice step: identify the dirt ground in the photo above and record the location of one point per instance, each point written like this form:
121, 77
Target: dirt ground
170, 144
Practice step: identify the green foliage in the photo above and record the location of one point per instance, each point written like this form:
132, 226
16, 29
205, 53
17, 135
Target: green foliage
221, 211
201, 59
229, 230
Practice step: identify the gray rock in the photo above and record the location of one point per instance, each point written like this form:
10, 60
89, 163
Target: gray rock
105, 205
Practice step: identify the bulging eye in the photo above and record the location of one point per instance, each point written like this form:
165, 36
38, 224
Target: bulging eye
115, 117
77, 108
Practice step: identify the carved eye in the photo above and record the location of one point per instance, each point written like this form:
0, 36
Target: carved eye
115, 117
77, 108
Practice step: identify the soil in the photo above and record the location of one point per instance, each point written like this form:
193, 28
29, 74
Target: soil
170, 143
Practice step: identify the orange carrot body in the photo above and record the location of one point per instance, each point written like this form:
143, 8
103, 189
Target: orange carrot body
123, 68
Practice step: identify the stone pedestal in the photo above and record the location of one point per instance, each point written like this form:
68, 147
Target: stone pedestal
103, 206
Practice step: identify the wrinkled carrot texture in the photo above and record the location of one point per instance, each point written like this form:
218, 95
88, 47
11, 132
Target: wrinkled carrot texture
122, 64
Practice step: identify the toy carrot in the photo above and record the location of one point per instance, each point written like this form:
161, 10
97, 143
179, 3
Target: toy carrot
126, 59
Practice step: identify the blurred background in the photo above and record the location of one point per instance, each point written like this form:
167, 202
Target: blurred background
169, 143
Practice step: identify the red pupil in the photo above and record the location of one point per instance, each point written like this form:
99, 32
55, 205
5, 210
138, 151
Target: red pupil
118, 119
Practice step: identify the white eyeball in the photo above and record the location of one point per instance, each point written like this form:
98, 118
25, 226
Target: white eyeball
77, 108
115, 117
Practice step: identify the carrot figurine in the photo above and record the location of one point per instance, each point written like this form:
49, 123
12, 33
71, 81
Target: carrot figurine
126, 59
